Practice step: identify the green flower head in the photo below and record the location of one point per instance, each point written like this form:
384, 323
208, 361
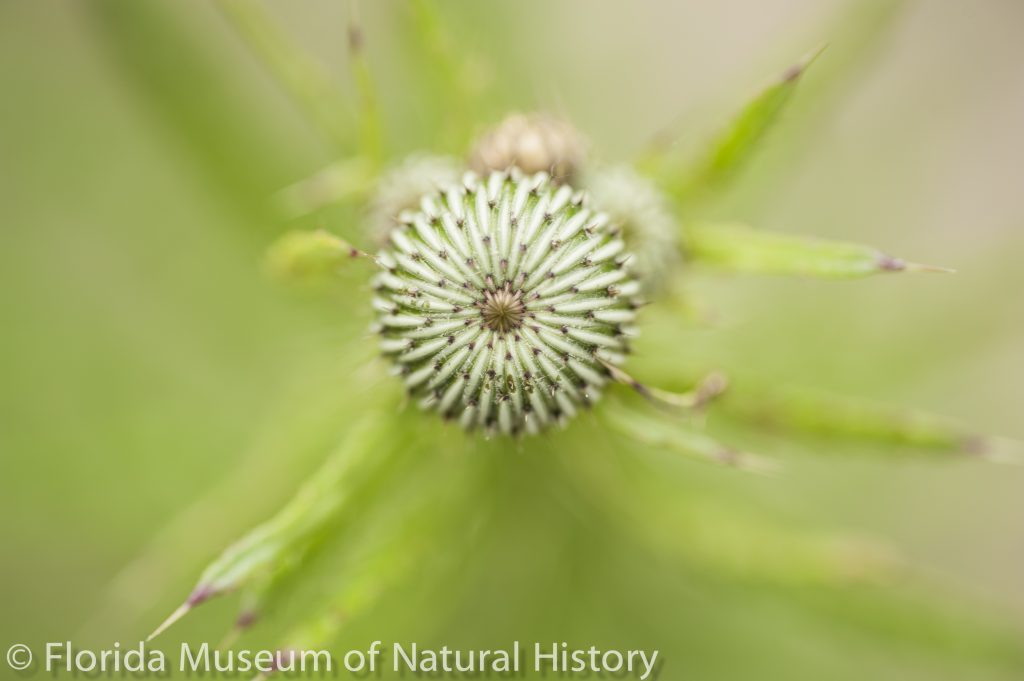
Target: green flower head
505, 302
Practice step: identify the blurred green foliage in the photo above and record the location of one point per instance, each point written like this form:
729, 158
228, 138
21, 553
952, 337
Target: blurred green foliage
160, 397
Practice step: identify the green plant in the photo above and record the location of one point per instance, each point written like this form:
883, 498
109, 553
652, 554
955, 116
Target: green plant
729, 545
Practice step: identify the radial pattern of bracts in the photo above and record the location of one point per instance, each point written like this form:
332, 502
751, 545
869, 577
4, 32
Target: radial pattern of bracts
504, 301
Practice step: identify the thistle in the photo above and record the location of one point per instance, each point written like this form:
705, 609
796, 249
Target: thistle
504, 302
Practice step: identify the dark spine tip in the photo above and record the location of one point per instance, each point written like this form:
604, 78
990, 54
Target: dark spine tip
356, 39
887, 263
642, 389
975, 445
246, 619
796, 70
793, 73
729, 457
201, 594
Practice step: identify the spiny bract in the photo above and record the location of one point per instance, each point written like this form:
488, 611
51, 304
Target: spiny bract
402, 187
643, 212
503, 302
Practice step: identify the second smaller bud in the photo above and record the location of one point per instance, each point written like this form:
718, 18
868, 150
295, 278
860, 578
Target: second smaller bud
533, 143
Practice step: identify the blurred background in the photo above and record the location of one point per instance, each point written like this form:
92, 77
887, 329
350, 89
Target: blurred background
158, 396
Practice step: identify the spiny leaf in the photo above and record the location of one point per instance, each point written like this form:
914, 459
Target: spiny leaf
706, 390
728, 152
858, 36
288, 536
714, 538
661, 431
309, 255
739, 248
848, 419
381, 567
305, 424
744, 547
736, 143
326, 493
378, 547
375, 568
404, 542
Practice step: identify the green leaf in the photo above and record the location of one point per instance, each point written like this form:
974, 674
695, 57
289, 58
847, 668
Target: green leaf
284, 541
843, 418
739, 248
668, 432
319, 500
859, 36
718, 538
729, 151
392, 553
370, 569
309, 255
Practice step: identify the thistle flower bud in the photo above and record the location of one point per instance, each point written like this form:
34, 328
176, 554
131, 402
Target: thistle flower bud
532, 143
401, 188
504, 302
650, 231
